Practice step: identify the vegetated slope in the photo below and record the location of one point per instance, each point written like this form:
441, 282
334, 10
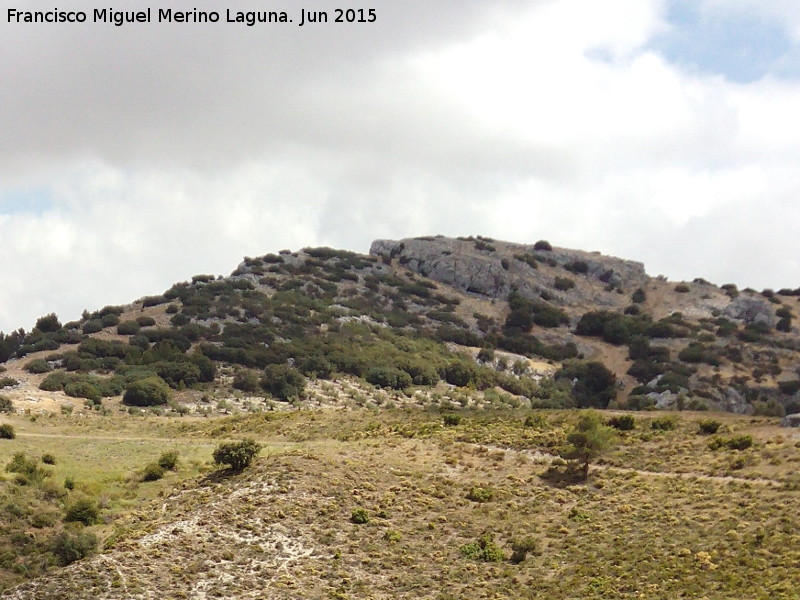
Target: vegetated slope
386, 317
404, 504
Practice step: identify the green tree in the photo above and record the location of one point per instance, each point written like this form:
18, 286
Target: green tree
237, 455
588, 440
283, 382
151, 391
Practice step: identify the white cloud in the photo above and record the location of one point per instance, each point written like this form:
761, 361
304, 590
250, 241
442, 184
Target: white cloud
168, 152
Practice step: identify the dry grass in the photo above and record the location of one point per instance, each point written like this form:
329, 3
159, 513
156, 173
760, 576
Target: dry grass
283, 529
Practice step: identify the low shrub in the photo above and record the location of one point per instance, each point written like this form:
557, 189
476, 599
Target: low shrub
521, 548
6, 405
484, 549
708, 427
83, 510
151, 391
622, 422
237, 455
480, 494
128, 328
153, 472
359, 516
667, 423
168, 460
69, 547
543, 245
451, 420
737, 442
7, 431
37, 366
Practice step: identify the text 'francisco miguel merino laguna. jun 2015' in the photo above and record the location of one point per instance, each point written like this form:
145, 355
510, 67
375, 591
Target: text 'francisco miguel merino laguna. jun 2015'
300, 17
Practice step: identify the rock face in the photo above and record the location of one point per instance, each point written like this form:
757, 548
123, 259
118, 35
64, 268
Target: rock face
752, 311
491, 268
791, 420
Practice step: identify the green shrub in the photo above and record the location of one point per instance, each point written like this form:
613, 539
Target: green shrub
451, 420
563, 284
738, 442
92, 326
359, 516
48, 459
109, 320
37, 366
708, 426
521, 548
128, 328
388, 377
69, 547
283, 382
153, 472
83, 510
638, 296
6, 405
246, 380
543, 245
592, 384
83, 389
168, 460
151, 391
237, 455
681, 288
7, 431
667, 423
48, 323
622, 422
480, 494
8, 382
145, 321
484, 549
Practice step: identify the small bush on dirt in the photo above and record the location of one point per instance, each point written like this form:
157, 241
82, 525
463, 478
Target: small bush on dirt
48, 459
69, 547
563, 284
82, 510
484, 549
543, 245
153, 472
237, 455
480, 494
359, 516
451, 420
6, 405
622, 422
128, 328
37, 366
168, 460
708, 427
521, 548
664, 423
737, 442
7, 431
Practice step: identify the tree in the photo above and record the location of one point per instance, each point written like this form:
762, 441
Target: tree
283, 382
48, 323
588, 440
237, 455
151, 391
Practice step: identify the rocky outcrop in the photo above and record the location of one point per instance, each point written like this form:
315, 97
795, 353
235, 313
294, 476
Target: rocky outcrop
491, 268
791, 420
751, 310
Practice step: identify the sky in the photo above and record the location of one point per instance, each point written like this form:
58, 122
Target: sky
133, 157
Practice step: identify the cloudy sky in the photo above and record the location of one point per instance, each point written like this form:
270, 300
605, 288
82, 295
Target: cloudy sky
131, 157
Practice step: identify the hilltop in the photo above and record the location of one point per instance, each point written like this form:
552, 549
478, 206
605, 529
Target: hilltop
414, 405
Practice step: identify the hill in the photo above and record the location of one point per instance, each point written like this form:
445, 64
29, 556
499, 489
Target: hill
428, 387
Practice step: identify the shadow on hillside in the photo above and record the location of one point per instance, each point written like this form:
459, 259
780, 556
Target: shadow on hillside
561, 476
